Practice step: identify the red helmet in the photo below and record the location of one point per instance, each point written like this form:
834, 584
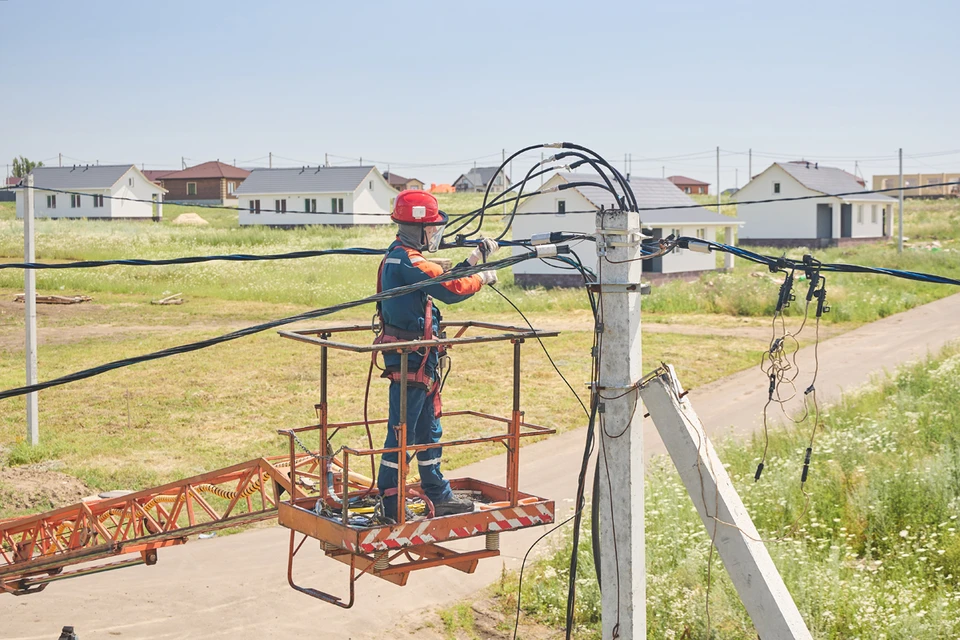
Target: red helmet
414, 206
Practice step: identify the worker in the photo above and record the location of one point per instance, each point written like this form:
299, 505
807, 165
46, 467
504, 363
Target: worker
414, 316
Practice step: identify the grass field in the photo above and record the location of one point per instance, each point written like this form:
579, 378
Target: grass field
171, 418
877, 556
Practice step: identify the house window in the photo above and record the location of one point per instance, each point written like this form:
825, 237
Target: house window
859, 214
702, 233
561, 207
336, 205
371, 185
310, 205
686, 189
74, 201
873, 214
191, 188
254, 206
280, 206
130, 181
98, 200
51, 202
776, 187
231, 186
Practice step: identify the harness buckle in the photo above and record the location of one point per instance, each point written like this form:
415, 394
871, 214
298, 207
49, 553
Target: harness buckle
376, 324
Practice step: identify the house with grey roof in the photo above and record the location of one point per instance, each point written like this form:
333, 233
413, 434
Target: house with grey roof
575, 209
837, 209
477, 179
111, 192
315, 195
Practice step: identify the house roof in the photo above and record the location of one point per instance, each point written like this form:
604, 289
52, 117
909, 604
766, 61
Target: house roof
396, 180
686, 180
12, 181
212, 169
79, 177
304, 180
652, 192
828, 180
155, 174
480, 176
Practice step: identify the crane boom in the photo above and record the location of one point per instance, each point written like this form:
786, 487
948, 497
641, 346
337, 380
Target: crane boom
35, 550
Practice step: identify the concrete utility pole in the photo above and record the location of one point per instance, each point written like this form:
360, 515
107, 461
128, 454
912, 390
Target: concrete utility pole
541, 165
183, 162
326, 160
663, 171
61, 159
621, 456
30, 310
748, 563
749, 165
718, 179
270, 153
900, 215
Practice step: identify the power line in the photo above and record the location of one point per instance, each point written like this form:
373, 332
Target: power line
453, 274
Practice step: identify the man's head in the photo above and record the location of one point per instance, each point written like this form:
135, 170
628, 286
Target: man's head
420, 220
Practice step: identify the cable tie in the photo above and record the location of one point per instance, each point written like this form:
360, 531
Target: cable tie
809, 390
756, 477
773, 385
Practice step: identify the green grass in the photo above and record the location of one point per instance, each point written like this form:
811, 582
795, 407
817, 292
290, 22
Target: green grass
204, 410
877, 556
321, 282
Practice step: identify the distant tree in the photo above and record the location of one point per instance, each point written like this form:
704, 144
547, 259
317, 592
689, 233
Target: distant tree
22, 166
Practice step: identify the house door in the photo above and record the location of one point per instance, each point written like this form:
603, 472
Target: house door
886, 231
654, 265
824, 221
846, 220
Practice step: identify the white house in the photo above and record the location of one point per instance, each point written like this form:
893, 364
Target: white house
315, 195
817, 222
95, 192
574, 209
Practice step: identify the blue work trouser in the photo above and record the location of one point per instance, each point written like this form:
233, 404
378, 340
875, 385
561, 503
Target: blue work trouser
422, 428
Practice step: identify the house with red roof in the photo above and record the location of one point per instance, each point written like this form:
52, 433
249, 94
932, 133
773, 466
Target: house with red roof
212, 182
690, 185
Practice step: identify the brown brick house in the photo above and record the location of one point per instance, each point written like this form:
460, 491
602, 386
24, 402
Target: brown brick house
400, 183
689, 185
208, 183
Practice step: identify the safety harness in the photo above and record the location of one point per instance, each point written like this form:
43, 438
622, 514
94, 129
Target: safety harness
389, 333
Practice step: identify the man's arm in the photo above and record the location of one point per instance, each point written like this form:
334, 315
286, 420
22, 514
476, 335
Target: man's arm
450, 292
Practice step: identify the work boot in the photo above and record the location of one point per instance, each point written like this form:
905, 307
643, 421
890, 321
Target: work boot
454, 505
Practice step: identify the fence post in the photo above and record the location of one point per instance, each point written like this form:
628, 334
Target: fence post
30, 309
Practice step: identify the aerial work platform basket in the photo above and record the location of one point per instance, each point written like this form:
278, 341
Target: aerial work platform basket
392, 550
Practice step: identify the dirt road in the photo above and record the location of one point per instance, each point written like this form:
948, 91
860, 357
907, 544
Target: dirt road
236, 586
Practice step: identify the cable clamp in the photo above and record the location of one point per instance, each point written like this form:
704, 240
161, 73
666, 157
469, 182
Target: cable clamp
699, 247
546, 250
596, 386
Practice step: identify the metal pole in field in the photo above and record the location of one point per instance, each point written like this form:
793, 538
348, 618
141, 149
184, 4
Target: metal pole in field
30, 310
718, 179
900, 215
619, 428
503, 159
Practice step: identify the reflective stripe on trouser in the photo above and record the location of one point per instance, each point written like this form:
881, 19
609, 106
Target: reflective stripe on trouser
422, 428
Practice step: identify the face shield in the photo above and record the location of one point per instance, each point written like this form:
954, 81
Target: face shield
433, 235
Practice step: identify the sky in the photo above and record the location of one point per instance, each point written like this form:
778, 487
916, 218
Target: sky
429, 88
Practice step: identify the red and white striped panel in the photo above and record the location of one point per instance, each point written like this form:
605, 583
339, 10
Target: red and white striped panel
524, 516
